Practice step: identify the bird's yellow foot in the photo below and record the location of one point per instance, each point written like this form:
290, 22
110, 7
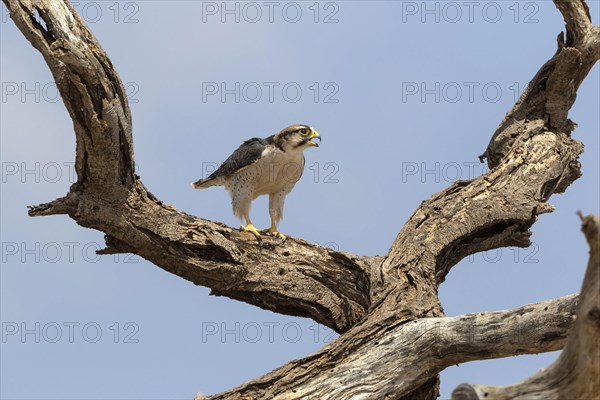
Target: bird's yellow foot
252, 229
273, 232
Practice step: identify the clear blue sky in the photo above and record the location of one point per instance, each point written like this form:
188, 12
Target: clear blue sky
406, 95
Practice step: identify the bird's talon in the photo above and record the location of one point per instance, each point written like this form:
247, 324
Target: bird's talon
252, 229
277, 234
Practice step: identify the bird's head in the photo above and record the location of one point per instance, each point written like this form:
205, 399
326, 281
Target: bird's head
297, 137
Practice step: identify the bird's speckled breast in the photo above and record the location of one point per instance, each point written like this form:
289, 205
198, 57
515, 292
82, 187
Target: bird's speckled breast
274, 172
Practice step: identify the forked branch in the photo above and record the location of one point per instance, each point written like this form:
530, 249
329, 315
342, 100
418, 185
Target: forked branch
386, 307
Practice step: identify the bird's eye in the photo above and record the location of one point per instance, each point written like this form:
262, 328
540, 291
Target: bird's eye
303, 131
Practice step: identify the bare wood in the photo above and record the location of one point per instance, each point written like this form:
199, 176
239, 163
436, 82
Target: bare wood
413, 351
574, 375
372, 300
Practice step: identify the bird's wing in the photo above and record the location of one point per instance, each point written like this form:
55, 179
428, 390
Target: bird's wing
248, 153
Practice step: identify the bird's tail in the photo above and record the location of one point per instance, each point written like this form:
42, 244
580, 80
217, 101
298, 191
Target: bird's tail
204, 183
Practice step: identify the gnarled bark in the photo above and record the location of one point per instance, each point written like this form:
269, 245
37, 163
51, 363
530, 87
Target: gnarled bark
386, 308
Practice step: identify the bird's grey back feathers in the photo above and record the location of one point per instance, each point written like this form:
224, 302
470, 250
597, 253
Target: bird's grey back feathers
248, 153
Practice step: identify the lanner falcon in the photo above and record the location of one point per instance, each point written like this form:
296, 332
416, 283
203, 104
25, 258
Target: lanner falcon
263, 166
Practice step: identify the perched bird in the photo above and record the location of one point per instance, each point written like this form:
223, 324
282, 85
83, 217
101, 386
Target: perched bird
263, 166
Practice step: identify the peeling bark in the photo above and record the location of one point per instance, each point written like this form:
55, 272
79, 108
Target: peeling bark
395, 338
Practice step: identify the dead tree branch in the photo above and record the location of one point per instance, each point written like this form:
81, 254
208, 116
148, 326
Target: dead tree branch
574, 375
376, 302
330, 287
411, 351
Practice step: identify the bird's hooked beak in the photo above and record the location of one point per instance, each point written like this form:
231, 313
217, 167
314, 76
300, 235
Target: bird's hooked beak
314, 135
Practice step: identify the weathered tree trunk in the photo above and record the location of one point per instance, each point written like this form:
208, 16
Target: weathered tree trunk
394, 336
